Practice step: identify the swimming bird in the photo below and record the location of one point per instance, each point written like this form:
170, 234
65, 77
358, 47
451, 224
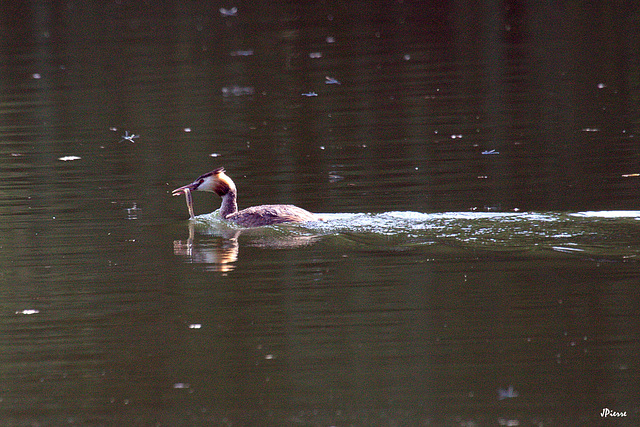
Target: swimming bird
218, 182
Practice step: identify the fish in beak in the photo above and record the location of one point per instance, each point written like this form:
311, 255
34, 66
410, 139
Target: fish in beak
186, 190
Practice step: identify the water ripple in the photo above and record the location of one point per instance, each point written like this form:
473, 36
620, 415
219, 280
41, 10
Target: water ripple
593, 235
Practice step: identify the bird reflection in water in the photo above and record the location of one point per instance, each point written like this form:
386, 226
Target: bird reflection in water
216, 245
219, 253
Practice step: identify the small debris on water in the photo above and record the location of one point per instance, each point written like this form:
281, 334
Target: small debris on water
127, 137
247, 52
181, 385
237, 90
28, 311
334, 177
507, 393
132, 212
233, 11
508, 422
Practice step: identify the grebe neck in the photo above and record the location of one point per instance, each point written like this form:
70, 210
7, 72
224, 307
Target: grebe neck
229, 204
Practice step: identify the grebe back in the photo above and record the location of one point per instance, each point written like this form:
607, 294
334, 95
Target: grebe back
218, 182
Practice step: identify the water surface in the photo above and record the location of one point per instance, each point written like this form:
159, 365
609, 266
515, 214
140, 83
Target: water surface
476, 167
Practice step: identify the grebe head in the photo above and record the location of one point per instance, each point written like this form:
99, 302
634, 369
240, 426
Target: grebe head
215, 181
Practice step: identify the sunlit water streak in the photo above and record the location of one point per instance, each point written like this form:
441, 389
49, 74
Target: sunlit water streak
604, 235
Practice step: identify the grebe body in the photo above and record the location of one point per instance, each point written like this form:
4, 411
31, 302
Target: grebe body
218, 182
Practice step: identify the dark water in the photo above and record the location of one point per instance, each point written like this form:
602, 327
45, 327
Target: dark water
476, 166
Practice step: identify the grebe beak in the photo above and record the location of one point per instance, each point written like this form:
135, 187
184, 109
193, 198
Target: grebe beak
181, 190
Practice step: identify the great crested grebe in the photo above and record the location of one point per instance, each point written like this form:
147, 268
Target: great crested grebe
218, 182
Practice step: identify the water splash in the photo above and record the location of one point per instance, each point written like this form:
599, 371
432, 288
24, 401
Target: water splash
605, 235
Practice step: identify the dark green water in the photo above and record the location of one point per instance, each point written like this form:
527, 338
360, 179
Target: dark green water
475, 165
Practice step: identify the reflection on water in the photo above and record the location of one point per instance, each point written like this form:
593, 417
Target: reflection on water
517, 307
219, 249
220, 254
